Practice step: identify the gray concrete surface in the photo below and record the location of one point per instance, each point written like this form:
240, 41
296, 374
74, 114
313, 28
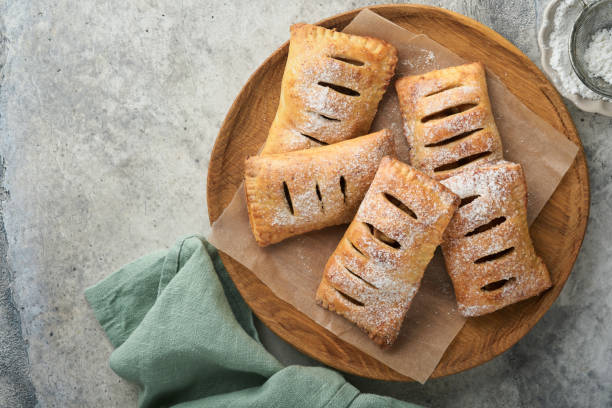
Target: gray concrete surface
16, 389
108, 112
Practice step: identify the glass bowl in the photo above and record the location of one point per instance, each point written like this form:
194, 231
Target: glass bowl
593, 18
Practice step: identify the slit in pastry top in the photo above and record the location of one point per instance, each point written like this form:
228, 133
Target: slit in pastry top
374, 273
331, 88
448, 121
296, 192
487, 248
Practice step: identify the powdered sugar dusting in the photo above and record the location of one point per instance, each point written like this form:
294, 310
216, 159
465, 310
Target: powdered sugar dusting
500, 191
566, 14
394, 272
441, 105
494, 189
303, 172
305, 95
598, 55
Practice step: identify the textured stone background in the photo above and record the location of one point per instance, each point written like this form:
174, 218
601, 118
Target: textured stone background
108, 112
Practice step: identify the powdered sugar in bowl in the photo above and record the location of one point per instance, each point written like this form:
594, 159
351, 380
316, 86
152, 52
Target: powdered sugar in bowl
591, 47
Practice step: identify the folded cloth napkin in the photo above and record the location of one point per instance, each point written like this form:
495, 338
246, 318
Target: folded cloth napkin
186, 337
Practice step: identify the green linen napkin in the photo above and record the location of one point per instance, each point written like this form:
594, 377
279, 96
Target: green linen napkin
186, 337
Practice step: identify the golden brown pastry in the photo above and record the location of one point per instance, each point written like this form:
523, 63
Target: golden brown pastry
487, 248
331, 88
448, 120
292, 193
376, 269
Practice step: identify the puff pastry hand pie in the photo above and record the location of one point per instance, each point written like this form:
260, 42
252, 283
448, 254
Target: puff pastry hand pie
487, 248
292, 193
448, 120
376, 269
331, 88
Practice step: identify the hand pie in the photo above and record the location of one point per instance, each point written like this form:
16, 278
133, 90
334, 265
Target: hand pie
376, 269
487, 248
448, 120
292, 193
331, 88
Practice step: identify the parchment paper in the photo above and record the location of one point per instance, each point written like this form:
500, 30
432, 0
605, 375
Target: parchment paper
293, 268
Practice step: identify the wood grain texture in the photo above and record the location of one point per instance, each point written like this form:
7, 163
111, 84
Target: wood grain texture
557, 233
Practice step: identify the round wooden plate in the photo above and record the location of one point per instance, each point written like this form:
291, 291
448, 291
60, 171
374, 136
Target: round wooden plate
557, 233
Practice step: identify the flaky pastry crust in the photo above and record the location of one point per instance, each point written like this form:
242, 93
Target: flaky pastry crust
374, 273
448, 120
487, 248
331, 88
292, 193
